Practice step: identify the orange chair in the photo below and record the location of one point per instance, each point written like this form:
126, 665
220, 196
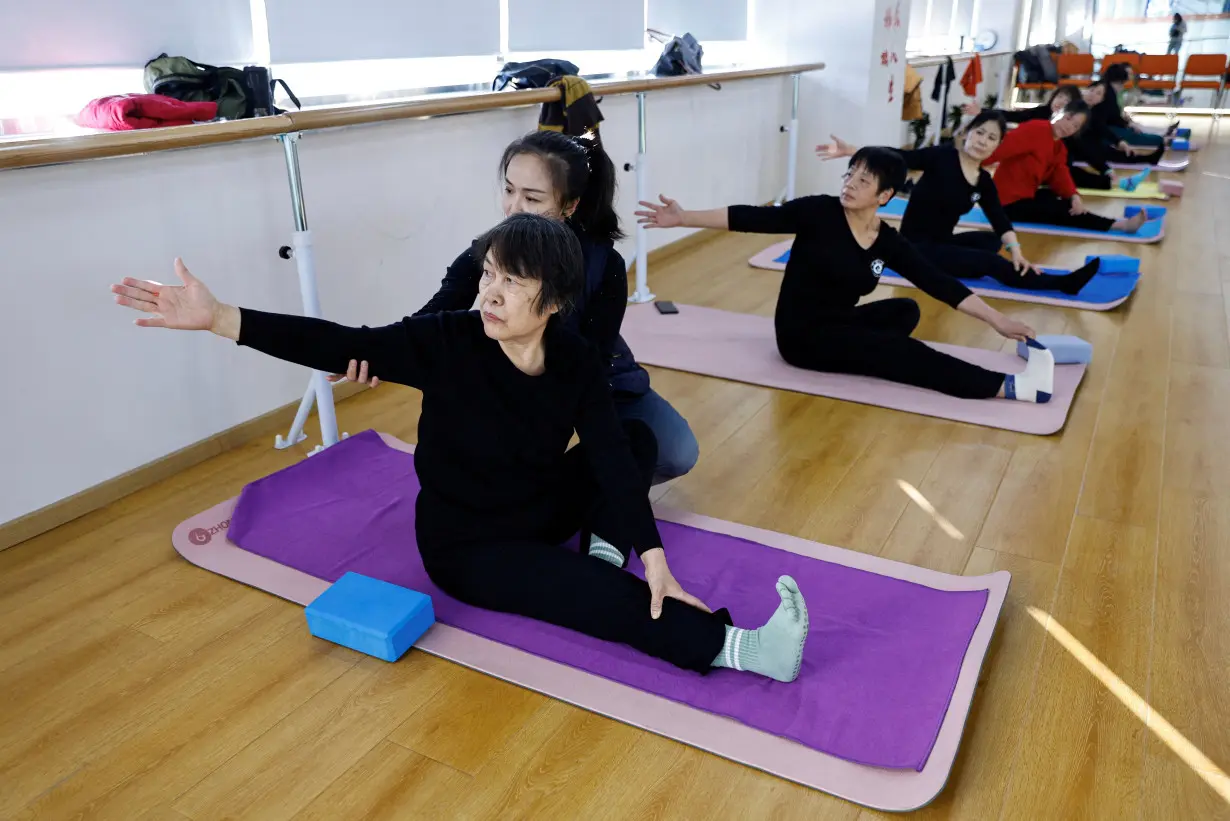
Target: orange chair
1039, 86
1205, 65
1128, 59
1074, 68
1159, 72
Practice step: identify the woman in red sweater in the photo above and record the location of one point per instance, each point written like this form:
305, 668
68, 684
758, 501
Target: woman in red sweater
1032, 155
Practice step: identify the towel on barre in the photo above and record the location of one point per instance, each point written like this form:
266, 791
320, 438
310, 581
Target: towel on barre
129, 112
575, 113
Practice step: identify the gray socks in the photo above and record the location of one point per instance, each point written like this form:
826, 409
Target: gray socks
601, 549
775, 650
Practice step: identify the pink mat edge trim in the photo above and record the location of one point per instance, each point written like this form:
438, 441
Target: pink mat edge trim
766, 261
877, 788
1053, 422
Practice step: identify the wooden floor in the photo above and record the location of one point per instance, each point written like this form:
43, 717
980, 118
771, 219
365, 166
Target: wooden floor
136, 686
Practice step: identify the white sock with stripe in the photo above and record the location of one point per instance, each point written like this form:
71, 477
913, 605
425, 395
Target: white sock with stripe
775, 650
1037, 382
601, 549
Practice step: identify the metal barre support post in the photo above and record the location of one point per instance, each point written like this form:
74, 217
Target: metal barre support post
318, 388
792, 150
792, 159
642, 293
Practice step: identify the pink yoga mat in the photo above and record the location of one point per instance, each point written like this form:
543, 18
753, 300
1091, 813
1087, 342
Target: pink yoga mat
742, 347
768, 259
203, 541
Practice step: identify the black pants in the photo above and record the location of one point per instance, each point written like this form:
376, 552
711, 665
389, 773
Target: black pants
874, 340
537, 577
1084, 178
974, 255
1049, 208
1152, 158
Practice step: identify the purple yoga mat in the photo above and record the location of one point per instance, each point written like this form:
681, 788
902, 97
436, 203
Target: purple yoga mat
880, 664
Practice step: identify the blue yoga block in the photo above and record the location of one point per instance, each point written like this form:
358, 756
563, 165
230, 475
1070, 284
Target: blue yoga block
1180, 145
371, 616
1183, 132
1151, 211
1115, 263
1067, 350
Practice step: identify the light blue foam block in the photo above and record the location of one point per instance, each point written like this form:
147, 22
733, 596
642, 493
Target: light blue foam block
1152, 212
1067, 350
369, 615
1115, 263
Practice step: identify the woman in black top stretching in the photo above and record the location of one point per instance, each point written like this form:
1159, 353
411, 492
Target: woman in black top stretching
840, 249
503, 390
1054, 104
953, 182
572, 179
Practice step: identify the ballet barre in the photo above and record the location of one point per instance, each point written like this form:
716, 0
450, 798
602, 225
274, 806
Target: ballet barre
288, 129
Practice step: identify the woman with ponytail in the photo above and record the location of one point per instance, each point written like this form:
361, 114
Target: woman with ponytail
572, 179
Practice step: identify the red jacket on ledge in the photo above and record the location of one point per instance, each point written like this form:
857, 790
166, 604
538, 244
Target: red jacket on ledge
1029, 157
128, 112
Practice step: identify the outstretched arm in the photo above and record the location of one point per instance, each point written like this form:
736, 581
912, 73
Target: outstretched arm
403, 352
906, 261
670, 215
915, 159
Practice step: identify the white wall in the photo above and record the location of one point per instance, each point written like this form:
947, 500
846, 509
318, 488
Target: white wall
92, 396
1002, 17
848, 98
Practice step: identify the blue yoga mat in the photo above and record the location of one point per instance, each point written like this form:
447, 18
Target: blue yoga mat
975, 218
1102, 289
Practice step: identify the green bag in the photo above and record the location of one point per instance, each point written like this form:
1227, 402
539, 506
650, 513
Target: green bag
239, 92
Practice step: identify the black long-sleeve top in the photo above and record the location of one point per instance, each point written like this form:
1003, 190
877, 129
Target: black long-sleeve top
828, 271
491, 438
1093, 142
944, 195
597, 317
1024, 115
1109, 112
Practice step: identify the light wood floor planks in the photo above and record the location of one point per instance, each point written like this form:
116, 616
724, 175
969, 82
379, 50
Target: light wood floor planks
138, 687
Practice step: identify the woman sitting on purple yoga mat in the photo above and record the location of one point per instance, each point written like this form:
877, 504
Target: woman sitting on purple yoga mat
504, 388
840, 249
572, 179
952, 184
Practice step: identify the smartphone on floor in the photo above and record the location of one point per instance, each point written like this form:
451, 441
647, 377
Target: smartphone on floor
666, 307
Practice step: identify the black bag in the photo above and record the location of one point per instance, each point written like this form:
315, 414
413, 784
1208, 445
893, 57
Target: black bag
239, 92
534, 74
682, 55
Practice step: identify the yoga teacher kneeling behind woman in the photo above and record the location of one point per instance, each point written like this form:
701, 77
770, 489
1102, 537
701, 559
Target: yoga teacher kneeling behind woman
573, 180
840, 249
504, 388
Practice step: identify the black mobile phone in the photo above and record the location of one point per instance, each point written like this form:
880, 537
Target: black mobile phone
666, 307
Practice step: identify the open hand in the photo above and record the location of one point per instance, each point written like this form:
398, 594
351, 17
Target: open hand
662, 584
666, 215
1010, 328
187, 307
971, 109
837, 149
1022, 265
355, 373
1078, 206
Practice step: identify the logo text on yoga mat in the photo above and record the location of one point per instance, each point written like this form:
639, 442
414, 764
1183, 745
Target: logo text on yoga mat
204, 535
